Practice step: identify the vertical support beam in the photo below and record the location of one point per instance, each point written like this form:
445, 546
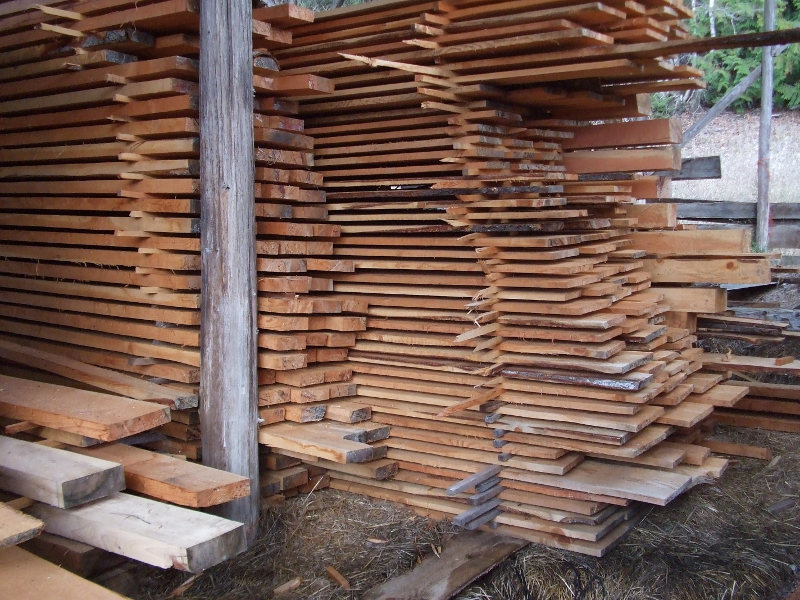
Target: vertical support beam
228, 389
762, 202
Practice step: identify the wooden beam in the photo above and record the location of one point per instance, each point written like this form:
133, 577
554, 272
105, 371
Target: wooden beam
709, 270
702, 167
466, 557
77, 557
649, 132
171, 479
153, 532
692, 241
57, 477
653, 216
228, 384
699, 300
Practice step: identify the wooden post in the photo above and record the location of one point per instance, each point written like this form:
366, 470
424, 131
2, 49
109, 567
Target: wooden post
228, 388
762, 202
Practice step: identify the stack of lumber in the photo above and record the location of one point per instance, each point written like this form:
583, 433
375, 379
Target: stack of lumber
98, 184
101, 215
99, 142
68, 462
306, 385
444, 189
452, 149
756, 323
771, 406
727, 326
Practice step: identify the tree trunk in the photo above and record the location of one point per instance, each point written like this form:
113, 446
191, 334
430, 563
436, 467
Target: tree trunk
765, 129
712, 23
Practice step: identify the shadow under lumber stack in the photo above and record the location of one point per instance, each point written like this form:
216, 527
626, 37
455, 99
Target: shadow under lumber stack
513, 341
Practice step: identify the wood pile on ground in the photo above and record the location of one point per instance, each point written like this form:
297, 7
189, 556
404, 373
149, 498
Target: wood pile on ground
64, 460
462, 303
513, 340
100, 228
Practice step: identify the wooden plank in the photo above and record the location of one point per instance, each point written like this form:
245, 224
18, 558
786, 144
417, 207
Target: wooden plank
464, 558
473, 480
733, 449
722, 395
158, 534
100, 416
601, 161
718, 210
686, 414
693, 242
700, 209
56, 477
623, 481
709, 270
653, 216
634, 133
27, 577
16, 527
171, 479
77, 557
770, 390
273, 482
749, 364
771, 423
695, 300
312, 441
703, 167
119, 383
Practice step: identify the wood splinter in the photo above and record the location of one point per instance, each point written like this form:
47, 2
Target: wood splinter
287, 587
336, 576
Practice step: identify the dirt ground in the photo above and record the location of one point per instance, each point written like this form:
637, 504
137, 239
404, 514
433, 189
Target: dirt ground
734, 137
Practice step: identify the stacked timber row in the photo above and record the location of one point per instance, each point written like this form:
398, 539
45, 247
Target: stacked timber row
99, 142
441, 198
72, 480
528, 370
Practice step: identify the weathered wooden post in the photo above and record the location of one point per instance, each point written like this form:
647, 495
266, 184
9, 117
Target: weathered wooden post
228, 388
765, 129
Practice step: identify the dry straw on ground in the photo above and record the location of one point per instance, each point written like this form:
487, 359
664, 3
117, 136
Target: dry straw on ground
738, 538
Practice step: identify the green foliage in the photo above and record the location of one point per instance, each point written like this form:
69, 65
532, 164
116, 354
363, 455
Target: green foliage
320, 5
667, 104
725, 68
